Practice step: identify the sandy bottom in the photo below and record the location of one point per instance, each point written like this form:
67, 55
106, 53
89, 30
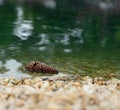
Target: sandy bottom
45, 93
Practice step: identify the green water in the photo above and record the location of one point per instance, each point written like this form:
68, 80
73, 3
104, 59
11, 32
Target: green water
72, 39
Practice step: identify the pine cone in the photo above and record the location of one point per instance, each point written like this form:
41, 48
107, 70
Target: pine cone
40, 68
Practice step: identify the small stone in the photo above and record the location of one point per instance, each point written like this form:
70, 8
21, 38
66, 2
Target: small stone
60, 84
118, 86
27, 82
36, 98
39, 84
101, 82
20, 103
76, 84
37, 79
53, 87
67, 98
54, 106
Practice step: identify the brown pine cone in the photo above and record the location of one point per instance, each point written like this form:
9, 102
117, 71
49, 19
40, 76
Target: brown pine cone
40, 68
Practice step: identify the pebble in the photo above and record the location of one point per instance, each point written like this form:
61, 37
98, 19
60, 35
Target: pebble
76, 84
36, 93
27, 82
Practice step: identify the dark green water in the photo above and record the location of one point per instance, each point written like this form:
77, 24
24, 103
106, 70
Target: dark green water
70, 38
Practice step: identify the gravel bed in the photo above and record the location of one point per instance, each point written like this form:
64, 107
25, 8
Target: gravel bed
46, 93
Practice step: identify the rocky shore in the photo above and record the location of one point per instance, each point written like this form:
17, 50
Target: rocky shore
59, 93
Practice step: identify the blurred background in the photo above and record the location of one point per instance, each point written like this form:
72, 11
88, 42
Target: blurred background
75, 36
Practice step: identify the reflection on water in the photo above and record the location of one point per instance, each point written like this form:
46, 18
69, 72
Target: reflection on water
1, 2
44, 39
50, 3
63, 39
73, 40
72, 33
23, 28
12, 67
0, 63
43, 42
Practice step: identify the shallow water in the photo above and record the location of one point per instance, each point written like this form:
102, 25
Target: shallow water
73, 40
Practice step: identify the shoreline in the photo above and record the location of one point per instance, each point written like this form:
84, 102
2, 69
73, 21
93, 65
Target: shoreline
44, 93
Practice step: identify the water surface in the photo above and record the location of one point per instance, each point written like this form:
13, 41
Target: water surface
73, 40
